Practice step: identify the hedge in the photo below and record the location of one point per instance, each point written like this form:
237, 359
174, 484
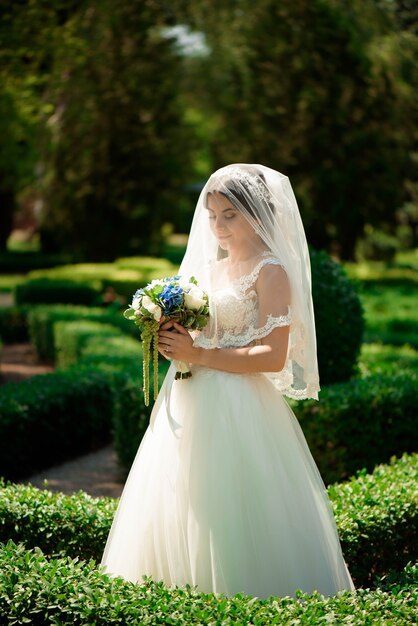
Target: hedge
71, 337
98, 352
52, 417
36, 590
12, 262
44, 291
338, 310
41, 321
360, 423
376, 514
377, 518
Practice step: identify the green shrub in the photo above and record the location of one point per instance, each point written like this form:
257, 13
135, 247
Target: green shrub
71, 337
75, 525
377, 518
37, 590
13, 324
41, 320
360, 423
131, 416
376, 514
53, 417
95, 347
45, 291
22, 262
338, 319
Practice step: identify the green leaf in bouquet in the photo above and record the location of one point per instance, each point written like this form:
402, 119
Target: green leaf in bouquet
201, 321
129, 314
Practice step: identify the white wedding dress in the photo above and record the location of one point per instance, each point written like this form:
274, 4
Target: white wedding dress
224, 493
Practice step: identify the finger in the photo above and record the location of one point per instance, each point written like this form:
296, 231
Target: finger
166, 325
166, 334
180, 329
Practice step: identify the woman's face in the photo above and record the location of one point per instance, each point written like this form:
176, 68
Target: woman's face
231, 228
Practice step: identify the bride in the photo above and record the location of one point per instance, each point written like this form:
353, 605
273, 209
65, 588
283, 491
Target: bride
223, 492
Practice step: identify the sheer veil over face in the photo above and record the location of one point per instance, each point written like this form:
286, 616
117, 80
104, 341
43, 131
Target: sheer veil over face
245, 215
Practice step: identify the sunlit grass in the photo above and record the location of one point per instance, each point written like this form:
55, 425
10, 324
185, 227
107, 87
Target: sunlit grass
377, 357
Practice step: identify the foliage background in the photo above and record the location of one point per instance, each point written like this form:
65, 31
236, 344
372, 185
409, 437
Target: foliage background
113, 113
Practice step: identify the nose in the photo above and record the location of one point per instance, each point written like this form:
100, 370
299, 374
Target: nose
219, 225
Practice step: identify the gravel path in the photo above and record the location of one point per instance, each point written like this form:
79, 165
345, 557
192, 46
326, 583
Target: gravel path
19, 361
96, 473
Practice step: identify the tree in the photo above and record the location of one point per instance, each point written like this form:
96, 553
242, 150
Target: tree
117, 156
302, 86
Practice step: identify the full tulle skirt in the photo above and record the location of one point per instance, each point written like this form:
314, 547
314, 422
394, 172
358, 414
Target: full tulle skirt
224, 494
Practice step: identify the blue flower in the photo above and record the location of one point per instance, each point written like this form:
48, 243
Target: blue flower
171, 279
171, 296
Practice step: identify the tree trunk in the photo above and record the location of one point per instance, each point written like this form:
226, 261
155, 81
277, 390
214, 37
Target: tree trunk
7, 206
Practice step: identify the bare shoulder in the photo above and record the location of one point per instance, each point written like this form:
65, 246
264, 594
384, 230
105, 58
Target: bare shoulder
272, 276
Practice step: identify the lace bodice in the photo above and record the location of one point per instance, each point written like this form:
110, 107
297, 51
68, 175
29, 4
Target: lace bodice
237, 313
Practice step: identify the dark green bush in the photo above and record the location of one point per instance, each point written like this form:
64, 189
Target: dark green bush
360, 423
53, 417
45, 291
338, 319
65, 591
22, 262
376, 514
13, 324
41, 320
377, 518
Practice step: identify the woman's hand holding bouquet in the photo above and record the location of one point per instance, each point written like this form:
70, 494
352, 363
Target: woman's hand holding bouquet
170, 299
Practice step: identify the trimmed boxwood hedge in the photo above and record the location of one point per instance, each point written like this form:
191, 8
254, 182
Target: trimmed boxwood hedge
93, 348
44, 291
377, 518
338, 310
71, 337
41, 320
360, 423
52, 417
376, 514
36, 590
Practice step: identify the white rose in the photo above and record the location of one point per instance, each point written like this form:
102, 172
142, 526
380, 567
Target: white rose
185, 284
157, 282
153, 308
194, 299
136, 303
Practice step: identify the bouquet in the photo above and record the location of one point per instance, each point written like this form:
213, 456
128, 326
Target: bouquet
162, 300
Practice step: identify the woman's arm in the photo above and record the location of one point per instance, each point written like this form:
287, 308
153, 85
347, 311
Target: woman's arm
270, 356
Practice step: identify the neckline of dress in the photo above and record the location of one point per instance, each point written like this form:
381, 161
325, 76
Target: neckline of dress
239, 280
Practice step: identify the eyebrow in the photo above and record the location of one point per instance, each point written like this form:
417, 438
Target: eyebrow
229, 208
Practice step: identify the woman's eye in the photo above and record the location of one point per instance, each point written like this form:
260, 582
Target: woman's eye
230, 216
